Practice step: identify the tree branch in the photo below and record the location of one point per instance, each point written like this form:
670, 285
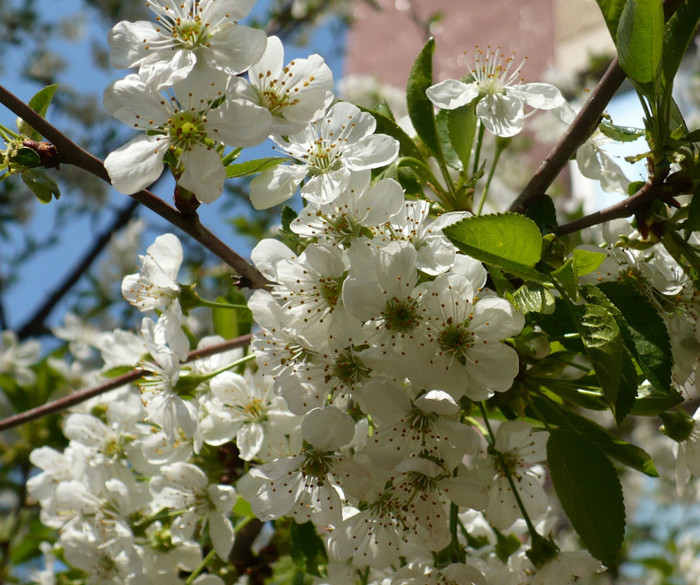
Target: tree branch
35, 324
581, 128
83, 395
72, 154
624, 208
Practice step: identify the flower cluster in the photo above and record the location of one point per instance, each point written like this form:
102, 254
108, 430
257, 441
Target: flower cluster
395, 400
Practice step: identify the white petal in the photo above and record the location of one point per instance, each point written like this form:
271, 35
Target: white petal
204, 174
501, 114
451, 94
273, 186
137, 164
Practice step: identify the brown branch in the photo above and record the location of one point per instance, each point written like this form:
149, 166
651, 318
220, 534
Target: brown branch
72, 154
624, 208
83, 395
581, 128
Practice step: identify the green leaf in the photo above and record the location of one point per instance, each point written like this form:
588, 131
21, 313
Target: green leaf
509, 241
386, 125
420, 108
26, 157
679, 31
461, 127
308, 551
534, 298
621, 133
566, 276
589, 491
651, 402
601, 338
43, 186
544, 214
252, 167
443, 132
587, 261
612, 10
626, 453
287, 217
646, 332
40, 104
640, 39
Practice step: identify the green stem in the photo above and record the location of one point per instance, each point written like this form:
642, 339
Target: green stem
7, 134
243, 360
200, 567
216, 305
477, 152
231, 156
484, 193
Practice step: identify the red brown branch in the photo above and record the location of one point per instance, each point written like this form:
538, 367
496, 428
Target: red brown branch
83, 395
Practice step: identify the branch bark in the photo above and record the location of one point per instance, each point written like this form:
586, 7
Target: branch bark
581, 128
83, 395
72, 154
624, 208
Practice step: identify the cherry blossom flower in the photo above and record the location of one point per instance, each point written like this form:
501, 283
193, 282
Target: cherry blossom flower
186, 33
357, 212
500, 92
294, 94
190, 123
185, 486
328, 150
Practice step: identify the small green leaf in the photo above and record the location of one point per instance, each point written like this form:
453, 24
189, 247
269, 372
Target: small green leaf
566, 276
679, 31
231, 323
601, 337
640, 39
287, 217
589, 491
612, 10
534, 298
509, 241
587, 261
386, 125
420, 108
620, 133
647, 335
651, 402
308, 551
40, 104
544, 214
26, 157
253, 166
43, 186
461, 127
448, 151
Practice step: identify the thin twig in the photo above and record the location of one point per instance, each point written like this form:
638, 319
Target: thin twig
35, 324
624, 208
581, 128
83, 395
71, 153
